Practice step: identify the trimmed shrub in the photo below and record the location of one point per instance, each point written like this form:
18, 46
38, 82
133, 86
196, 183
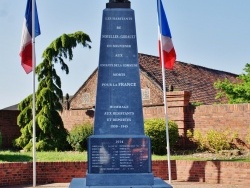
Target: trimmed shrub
218, 140
198, 138
77, 137
156, 130
213, 140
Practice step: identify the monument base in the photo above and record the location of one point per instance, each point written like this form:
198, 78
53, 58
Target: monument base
119, 179
81, 183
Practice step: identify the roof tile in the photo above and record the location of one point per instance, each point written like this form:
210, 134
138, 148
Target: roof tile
186, 77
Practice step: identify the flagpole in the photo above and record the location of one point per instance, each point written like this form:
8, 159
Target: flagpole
164, 97
34, 99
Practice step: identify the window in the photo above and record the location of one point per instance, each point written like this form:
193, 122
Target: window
86, 98
145, 94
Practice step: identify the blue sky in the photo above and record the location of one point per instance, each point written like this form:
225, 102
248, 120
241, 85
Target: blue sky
213, 34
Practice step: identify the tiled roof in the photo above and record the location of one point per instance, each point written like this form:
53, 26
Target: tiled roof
13, 107
186, 77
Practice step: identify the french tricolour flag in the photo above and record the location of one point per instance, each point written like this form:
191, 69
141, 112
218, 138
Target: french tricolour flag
26, 40
165, 39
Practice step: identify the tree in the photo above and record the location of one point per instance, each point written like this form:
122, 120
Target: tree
50, 131
235, 92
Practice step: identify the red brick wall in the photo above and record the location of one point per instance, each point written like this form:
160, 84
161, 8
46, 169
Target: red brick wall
9, 127
153, 108
214, 172
232, 117
176, 102
49, 172
63, 172
72, 118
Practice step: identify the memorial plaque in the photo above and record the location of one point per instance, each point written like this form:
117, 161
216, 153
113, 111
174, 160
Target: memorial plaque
119, 155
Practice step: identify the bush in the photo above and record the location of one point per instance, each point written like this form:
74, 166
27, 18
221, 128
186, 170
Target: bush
198, 138
248, 137
213, 140
77, 137
1, 140
156, 130
218, 140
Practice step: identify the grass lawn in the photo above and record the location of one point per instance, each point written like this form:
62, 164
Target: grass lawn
9, 156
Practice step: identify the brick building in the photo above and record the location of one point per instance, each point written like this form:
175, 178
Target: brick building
186, 84
184, 77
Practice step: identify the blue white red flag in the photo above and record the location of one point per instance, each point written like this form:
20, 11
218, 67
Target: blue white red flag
165, 39
26, 39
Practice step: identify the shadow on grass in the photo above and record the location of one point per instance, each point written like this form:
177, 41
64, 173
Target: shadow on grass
15, 158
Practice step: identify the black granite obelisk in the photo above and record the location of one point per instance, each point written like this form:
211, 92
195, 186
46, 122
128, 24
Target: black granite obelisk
119, 154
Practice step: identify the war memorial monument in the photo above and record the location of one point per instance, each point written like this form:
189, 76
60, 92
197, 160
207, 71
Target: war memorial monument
119, 153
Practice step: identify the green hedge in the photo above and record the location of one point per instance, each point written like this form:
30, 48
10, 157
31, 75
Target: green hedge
77, 137
156, 130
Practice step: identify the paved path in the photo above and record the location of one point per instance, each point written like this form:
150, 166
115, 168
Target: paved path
175, 184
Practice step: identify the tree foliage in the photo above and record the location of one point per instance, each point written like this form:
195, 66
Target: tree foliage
50, 130
235, 92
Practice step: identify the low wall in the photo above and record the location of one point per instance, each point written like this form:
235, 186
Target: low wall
63, 172
232, 117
